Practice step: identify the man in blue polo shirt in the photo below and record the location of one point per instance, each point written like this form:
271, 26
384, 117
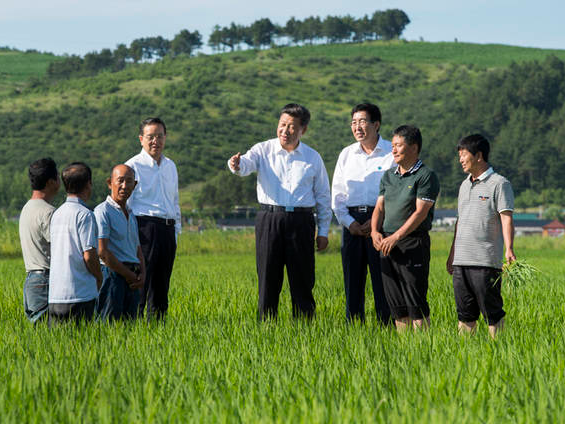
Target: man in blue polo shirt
123, 266
75, 270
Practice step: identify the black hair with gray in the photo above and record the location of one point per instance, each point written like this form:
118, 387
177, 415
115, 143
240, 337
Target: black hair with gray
410, 134
474, 144
41, 171
297, 111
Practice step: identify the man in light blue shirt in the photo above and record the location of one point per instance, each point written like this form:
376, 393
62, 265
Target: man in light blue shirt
75, 276
123, 266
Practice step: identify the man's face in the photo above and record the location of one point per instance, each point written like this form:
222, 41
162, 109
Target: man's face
153, 140
468, 160
121, 183
362, 128
403, 152
289, 131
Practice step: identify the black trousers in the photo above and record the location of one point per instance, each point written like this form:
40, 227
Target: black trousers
159, 247
356, 254
285, 238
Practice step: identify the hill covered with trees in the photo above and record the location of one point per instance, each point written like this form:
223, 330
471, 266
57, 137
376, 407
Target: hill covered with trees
219, 104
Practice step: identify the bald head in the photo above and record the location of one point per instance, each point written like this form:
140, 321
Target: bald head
121, 183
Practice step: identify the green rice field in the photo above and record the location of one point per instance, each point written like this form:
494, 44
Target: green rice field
213, 362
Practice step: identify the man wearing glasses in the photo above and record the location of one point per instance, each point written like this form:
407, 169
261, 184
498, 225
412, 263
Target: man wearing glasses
355, 188
155, 203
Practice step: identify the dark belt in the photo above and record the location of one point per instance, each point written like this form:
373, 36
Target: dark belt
276, 208
39, 271
361, 208
156, 219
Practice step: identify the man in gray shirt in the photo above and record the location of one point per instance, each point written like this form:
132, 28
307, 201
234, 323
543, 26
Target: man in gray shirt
484, 226
75, 269
34, 235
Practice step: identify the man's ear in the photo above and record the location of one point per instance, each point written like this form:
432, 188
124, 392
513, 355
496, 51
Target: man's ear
479, 156
109, 183
304, 128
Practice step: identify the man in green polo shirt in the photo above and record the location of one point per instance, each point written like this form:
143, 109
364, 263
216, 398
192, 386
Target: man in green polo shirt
399, 228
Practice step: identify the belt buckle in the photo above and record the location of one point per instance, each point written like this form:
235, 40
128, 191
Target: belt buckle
289, 208
169, 221
362, 208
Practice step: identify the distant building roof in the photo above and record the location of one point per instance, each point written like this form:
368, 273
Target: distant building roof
554, 225
529, 216
531, 222
445, 213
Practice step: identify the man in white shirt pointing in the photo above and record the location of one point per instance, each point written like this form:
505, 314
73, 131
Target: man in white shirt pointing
155, 203
355, 188
291, 182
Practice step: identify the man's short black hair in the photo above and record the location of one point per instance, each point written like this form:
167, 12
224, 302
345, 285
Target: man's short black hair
76, 177
474, 144
297, 111
151, 121
41, 171
410, 134
372, 110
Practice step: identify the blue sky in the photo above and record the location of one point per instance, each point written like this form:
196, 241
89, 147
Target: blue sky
79, 26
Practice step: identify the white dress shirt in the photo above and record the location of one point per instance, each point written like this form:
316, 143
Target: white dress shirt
157, 190
357, 177
296, 179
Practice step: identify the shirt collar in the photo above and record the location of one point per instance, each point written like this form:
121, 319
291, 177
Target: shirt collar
76, 200
412, 170
147, 158
279, 148
115, 204
483, 176
376, 150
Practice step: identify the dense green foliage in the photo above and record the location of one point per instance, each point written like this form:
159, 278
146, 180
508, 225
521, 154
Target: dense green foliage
382, 25
217, 105
17, 67
212, 362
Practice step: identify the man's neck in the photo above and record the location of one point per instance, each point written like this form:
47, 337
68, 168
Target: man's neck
41, 195
369, 146
476, 173
81, 196
407, 165
122, 205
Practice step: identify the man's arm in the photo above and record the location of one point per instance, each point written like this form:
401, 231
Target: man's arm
508, 234
377, 222
248, 163
449, 264
413, 221
322, 197
115, 265
340, 196
93, 265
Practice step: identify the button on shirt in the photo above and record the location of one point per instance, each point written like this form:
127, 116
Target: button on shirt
73, 232
357, 177
295, 179
157, 190
121, 231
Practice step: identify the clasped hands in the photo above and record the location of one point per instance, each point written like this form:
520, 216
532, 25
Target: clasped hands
384, 244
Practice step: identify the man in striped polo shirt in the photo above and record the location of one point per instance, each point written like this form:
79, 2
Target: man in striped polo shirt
484, 226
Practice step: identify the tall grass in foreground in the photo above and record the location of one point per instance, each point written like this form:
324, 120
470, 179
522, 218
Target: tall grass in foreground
212, 362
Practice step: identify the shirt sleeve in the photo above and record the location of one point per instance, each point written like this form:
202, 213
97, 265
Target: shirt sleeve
46, 224
340, 196
102, 223
505, 197
178, 215
249, 162
428, 187
323, 199
87, 232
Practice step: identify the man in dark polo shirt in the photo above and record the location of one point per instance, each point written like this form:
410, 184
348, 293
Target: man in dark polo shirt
399, 229
484, 226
